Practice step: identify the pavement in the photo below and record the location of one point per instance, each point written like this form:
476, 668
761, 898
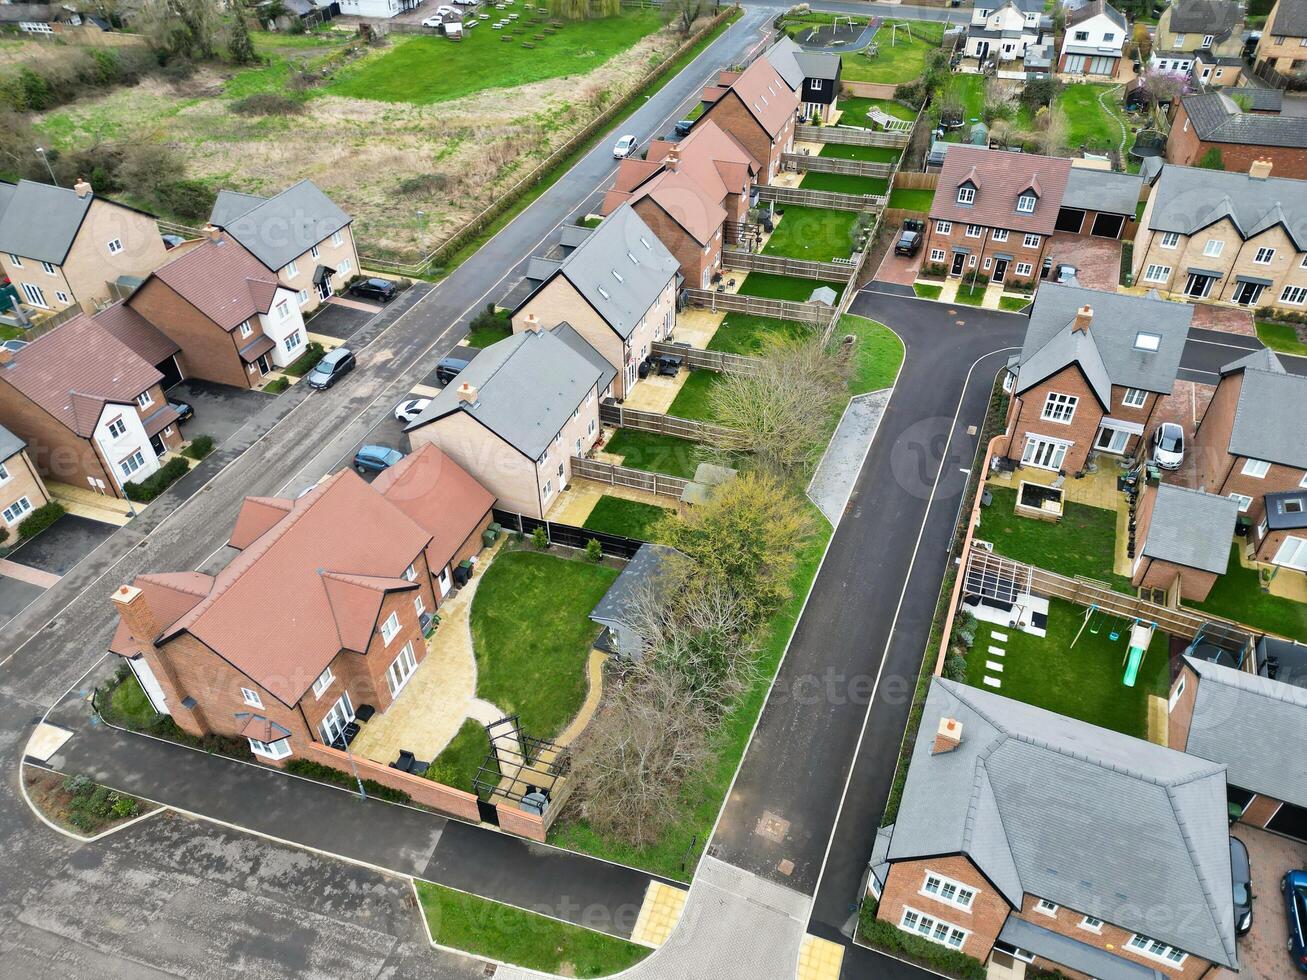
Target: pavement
840, 464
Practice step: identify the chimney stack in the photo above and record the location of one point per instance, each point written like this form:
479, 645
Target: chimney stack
136, 613
949, 736
1260, 169
532, 323
672, 160
467, 393
1083, 316
5, 357
212, 232
82, 188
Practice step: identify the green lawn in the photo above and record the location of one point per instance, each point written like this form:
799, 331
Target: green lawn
423, 70
844, 183
532, 635
1081, 682
487, 334
511, 935
854, 109
654, 453
770, 286
462, 758
879, 354
970, 91
1087, 121
969, 295
901, 62
867, 154
129, 702
1280, 337
694, 400
812, 233
912, 200
1238, 595
926, 291
1082, 543
743, 333
629, 518
1013, 304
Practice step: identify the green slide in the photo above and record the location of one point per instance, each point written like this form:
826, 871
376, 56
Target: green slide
1132, 666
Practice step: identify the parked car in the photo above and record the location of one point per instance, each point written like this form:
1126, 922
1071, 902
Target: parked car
407, 411
1241, 874
448, 368
435, 21
334, 366
376, 458
625, 147
172, 241
909, 242
382, 289
184, 411
1168, 446
13, 346
683, 127
1064, 273
1294, 887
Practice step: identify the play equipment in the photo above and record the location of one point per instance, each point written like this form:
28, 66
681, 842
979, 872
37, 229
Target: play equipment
1094, 624
1141, 634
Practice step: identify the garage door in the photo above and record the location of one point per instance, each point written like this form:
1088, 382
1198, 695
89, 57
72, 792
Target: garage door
172, 374
1070, 219
1291, 821
1108, 225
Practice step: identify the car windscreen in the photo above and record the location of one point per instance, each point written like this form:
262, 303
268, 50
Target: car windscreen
1170, 443
1241, 896
1300, 904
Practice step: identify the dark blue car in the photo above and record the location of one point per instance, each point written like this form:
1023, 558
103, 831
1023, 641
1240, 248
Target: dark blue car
1294, 886
376, 458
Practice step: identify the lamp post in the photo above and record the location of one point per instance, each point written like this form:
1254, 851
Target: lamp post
358, 779
40, 151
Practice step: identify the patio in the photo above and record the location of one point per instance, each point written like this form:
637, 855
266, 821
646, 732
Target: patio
573, 505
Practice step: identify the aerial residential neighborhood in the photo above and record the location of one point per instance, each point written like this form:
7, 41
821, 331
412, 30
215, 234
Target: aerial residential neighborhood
663, 488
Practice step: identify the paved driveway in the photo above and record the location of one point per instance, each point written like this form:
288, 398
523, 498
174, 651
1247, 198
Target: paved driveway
1097, 260
219, 409
337, 321
14, 595
61, 546
1262, 952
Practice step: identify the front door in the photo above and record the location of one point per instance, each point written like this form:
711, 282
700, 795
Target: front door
264, 366
324, 288
959, 263
1292, 554
1197, 285
1000, 270
1111, 440
443, 581
340, 715
1246, 293
156, 443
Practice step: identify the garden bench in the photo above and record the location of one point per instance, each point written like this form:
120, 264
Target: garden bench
527, 44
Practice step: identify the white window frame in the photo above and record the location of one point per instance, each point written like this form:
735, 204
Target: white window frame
115, 245
1059, 408
35, 295
1156, 950
944, 227
1256, 468
48, 268
1092, 924
15, 511
1157, 273
962, 896
1035, 442
303, 297
938, 255
1207, 40
313, 251
62, 297
1177, 693
4, 474
144, 399
1044, 907
1134, 398
17, 263
401, 670
251, 698
283, 310
1264, 256
246, 328
1025, 269
912, 920
1214, 248
966, 195
279, 749
975, 231
1170, 239
292, 340
131, 464
419, 605
117, 428
292, 269
1000, 234
390, 628
1293, 295
1026, 203
337, 238
323, 682
1032, 241
1145, 340
411, 573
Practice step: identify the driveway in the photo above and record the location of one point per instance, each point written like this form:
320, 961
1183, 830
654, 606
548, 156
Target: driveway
63, 544
900, 269
219, 409
14, 595
1262, 952
337, 321
1097, 260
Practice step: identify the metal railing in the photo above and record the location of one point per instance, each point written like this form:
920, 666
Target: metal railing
661, 484
785, 266
821, 199
780, 309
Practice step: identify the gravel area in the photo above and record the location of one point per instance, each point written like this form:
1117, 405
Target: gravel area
833, 481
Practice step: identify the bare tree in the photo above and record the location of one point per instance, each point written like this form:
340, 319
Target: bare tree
683, 13
1051, 131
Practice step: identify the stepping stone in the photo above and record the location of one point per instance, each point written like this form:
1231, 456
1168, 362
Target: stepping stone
996, 668
993, 682
997, 650
996, 635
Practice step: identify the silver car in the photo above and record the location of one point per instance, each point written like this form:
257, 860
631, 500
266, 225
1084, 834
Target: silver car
625, 147
1168, 446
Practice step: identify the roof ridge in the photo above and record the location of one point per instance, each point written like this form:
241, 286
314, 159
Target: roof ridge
157, 578
1208, 898
1262, 687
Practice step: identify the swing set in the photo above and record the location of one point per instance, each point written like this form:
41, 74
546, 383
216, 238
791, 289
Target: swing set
1141, 635
1118, 623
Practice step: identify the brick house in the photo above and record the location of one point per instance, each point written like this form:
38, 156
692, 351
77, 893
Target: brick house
521, 410
759, 109
91, 410
1185, 542
1025, 835
617, 289
232, 319
994, 212
1090, 374
21, 488
1214, 121
302, 630
62, 247
300, 235
1283, 44
1188, 29
1226, 237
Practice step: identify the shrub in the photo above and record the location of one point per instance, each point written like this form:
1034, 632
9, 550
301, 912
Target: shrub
1040, 92
79, 785
594, 550
303, 364
123, 807
4, 534
922, 951
540, 539
423, 184
267, 104
955, 668
157, 482
189, 199
39, 519
338, 777
1211, 160
200, 447
276, 386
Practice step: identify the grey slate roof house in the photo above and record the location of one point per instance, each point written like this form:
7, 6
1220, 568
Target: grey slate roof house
815, 75
618, 610
1023, 830
1186, 538
1217, 118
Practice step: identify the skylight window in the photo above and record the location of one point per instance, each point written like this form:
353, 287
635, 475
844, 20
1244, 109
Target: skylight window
1147, 341
645, 242
631, 256
618, 276
604, 293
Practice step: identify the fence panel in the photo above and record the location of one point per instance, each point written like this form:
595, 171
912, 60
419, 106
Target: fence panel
851, 137
781, 309
808, 163
915, 181
610, 413
569, 535
785, 266
821, 199
625, 476
710, 360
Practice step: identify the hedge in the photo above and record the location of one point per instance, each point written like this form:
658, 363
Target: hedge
158, 481
883, 935
330, 774
200, 447
39, 519
276, 386
305, 363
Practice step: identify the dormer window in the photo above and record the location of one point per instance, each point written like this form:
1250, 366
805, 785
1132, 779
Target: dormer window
966, 194
1026, 203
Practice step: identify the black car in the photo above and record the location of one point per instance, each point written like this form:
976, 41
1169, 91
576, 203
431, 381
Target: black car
184, 411
682, 128
448, 368
334, 366
382, 289
1241, 875
909, 242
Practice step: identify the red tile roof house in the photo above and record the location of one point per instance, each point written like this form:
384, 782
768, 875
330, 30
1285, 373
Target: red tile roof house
759, 109
321, 613
995, 212
90, 408
233, 320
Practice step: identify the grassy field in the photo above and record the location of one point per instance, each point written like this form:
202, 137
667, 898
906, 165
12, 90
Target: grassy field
1081, 682
462, 758
854, 110
1238, 595
694, 400
894, 63
770, 286
878, 355
423, 70
511, 935
742, 333
654, 453
1087, 121
812, 233
867, 154
532, 636
629, 518
844, 183
927, 291
910, 199
1280, 337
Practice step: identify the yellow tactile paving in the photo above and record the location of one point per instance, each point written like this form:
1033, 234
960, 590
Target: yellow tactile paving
659, 914
819, 959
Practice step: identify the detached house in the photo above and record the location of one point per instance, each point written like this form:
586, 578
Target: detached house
64, 247
994, 212
1189, 30
1283, 44
1092, 46
1090, 374
1024, 835
815, 75
299, 235
21, 488
521, 410
231, 317
617, 289
1215, 122
759, 109
1003, 33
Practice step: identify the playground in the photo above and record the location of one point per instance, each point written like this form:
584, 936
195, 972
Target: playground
1080, 668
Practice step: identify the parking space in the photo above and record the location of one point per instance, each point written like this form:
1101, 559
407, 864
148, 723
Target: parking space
1097, 261
219, 409
431, 383
61, 546
14, 596
1262, 951
337, 321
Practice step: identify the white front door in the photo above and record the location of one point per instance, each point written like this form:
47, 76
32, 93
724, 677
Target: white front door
1292, 554
443, 581
401, 670
340, 715
150, 684
1047, 454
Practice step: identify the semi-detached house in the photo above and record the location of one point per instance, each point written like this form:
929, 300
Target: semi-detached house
1283, 44
759, 109
1190, 30
21, 488
1093, 41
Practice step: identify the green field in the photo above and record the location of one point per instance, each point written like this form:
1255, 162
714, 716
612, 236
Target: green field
878, 356
854, 110
894, 63
867, 154
423, 70
812, 233
694, 400
629, 518
654, 453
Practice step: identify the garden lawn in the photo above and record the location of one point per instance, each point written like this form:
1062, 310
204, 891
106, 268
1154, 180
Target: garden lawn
1082, 543
770, 286
1280, 337
901, 62
867, 154
129, 702
1081, 682
812, 233
694, 400
844, 183
878, 356
654, 452
532, 635
1238, 595
925, 291
743, 333
463, 757
969, 295
629, 518
484, 336
1087, 121
1013, 304
910, 199
423, 70
970, 91
512, 935
854, 109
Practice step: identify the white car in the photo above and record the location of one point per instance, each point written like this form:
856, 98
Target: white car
625, 147
407, 411
1168, 446
435, 21
447, 11
466, 3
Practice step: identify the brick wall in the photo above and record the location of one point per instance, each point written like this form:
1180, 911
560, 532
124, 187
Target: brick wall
1182, 711
1079, 431
519, 822
427, 792
1150, 573
694, 261
989, 910
57, 452
208, 351
985, 247
734, 117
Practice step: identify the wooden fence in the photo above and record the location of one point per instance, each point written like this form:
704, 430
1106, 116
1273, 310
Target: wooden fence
867, 90
915, 181
807, 162
708, 360
610, 413
785, 266
624, 476
850, 136
822, 199
781, 309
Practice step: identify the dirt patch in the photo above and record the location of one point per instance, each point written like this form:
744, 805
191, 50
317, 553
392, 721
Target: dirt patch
78, 805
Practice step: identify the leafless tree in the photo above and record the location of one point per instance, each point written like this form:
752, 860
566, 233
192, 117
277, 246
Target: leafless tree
1051, 131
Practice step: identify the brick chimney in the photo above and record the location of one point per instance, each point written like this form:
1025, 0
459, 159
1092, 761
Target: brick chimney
1260, 169
673, 160
212, 232
136, 613
1083, 317
82, 188
467, 393
949, 736
532, 323
5, 357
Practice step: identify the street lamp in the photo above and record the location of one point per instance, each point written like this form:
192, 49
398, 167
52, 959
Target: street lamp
40, 151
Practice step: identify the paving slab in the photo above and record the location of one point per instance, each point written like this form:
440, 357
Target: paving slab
842, 460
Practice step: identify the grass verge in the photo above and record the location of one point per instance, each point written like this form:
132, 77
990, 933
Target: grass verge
877, 357
1282, 337
1013, 304
926, 291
